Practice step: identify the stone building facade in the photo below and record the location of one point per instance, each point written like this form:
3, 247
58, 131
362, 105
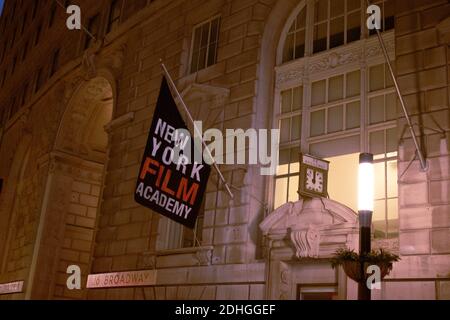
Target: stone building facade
75, 113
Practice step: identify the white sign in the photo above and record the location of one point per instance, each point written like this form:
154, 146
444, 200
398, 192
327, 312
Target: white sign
12, 287
318, 163
122, 279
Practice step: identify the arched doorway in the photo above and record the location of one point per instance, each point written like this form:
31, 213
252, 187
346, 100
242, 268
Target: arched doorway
73, 192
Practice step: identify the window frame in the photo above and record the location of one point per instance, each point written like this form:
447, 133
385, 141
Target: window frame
117, 19
208, 44
93, 20
326, 66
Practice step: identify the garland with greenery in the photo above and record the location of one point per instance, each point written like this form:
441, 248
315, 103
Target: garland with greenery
377, 257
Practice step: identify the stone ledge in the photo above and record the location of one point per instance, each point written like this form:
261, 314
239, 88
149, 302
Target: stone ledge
120, 121
184, 257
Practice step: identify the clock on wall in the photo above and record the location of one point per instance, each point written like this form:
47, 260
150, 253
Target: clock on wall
313, 176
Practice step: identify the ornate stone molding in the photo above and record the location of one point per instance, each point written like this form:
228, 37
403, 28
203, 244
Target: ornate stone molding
375, 49
148, 261
74, 166
184, 257
204, 256
290, 75
316, 228
294, 72
306, 242
285, 279
334, 60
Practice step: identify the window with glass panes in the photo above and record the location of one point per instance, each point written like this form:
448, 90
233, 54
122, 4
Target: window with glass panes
93, 27
333, 23
294, 46
387, 13
204, 45
382, 95
336, 22
290, 123
114, 15
345, 111
335, 104
173, 235
383, 144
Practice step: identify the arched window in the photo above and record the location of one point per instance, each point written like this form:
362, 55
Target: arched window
333, 23
337, 104
295, 39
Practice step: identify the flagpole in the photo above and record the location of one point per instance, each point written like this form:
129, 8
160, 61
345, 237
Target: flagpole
174, 87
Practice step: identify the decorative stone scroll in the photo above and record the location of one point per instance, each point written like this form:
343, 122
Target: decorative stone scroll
306, 242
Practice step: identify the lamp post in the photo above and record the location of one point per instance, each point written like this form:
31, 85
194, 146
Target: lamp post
365, 209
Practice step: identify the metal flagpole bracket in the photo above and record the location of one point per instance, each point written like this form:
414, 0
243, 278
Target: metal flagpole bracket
422, 160
174, 87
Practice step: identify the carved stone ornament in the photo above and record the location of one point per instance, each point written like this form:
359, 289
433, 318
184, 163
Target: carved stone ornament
334, 60
88, 63
149, 261
354, 53
204, 256
290, 75
306, 242
316, 227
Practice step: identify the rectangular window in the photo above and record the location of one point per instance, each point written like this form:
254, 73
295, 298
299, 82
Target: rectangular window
204, 45
51, 18
114, 15
336, 22
287, 176
173, 235
290, 114
383, 144
24, 94
34, 10
38, 35
93, 27
24, 21
13, 65
335, 104
387, 15
39, 80
14, 107
193, 237
317, 292
55, 63
2, 53
11, 44
25, 50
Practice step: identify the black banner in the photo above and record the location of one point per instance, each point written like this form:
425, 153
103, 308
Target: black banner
170, 182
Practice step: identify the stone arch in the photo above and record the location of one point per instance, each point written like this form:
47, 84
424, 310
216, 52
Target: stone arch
287, 24
81, 131
73, 192
274, 26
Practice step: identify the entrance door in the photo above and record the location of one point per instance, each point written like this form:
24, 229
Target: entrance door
317, 292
